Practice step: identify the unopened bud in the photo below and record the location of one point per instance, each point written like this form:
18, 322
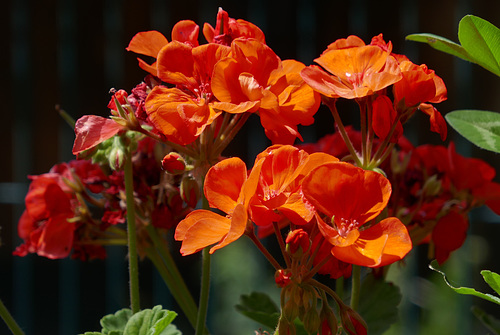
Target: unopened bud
352, 322
173, 163
297, 243
432, 186
190, 191
311, 321
282, 277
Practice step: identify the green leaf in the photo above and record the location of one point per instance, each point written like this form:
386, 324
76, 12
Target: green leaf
492, 279
492, 323
116, 322
480, 127
481, 40
379, 306
442, 44
143, 322
465, 290
260, 308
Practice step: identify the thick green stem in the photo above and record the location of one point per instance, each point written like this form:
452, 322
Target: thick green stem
356, 286
132, 236
204, 292
9, 320
205, 284
164, 263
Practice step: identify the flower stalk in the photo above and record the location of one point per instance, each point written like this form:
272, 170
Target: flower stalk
132, 236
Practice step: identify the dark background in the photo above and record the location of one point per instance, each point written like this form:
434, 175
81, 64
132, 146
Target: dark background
70, 53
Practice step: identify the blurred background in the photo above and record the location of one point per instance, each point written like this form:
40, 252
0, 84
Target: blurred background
71, 53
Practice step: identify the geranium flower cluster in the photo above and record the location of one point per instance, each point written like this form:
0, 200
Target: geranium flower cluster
78, 207
357, 198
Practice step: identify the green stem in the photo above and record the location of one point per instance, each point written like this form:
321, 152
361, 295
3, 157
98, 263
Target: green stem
204, 292
9, 320
168, 270
205, 284
339, 287
132, 236
333, 109
356, 286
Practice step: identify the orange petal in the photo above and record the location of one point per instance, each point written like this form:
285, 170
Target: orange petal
346, 191
200, 229
224, 182
175, 64
164, 108
362, 252
238, 225
186, 31
148, 43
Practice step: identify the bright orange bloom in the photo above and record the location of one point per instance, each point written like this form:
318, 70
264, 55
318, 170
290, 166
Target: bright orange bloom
279, 192
149, 43
226, 188
349, 197
183, 112
254, 78
354, 70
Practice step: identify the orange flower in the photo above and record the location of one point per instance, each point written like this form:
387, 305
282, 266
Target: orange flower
350, 197
149, 43
228, 189
279, 192
354, 70
254, 78
182, 113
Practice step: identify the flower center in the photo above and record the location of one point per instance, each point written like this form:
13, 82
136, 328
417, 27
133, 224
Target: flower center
344, 226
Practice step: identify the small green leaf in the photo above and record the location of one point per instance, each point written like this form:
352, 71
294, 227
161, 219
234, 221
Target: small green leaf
464, 290
260, 308
116, 322
480, 127
379, 306
492, 279
142, 323
442, 44
492, 323
481, 40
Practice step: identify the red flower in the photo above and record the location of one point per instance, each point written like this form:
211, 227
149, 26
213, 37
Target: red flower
44, 225
227, 29
90, 130
449, 234
350, 197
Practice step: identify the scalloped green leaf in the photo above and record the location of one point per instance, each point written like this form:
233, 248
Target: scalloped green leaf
480, 127
260, 308
442, 44
115, 322
481, 40
492, 279
379, 306
143, 322
464, 290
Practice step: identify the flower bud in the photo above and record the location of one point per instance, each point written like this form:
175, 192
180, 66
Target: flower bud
173, 163
352, 322
297, 243
311, 321
190, 191
282, 277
